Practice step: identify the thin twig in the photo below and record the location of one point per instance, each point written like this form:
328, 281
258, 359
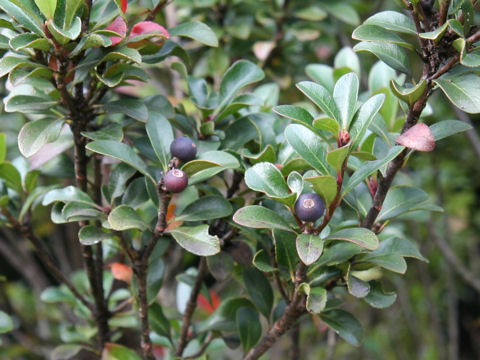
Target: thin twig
191, 305
156, 9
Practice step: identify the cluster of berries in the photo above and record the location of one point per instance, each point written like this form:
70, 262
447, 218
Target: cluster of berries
184, 149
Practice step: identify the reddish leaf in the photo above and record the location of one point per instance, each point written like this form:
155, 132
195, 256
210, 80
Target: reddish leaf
119, 26
171, 216
204, 304
124, 5
419, 137
148, 27
121, 272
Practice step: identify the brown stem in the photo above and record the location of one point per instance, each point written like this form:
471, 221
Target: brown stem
191, 305
294, 310
140, 268
156, 9
295, 336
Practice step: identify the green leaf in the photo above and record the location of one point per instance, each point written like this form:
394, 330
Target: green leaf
260, 217
295, 113
123, 217
259, 289
266, 177
79, 212
66, 351
21, 17
121, 152
325, 186
337, 157
295, 183
266, 155
345, 324
124, 53
378, 34
197, 240
64, 36
239, 75
47, 7
249, 327
29, 40
399, 200
206, 208
390, 254
118, 352
261, 261
328, 124
408, 94
134, 108
321, 97
393, 20
11, 177
196, 30
28, 104
377, 298
308, 145
316, 300
360, 236
209, 164
462, 90
345, 95
158, 321
67, 194
342, 11
110, 132
364, 118
356, 286
443, 129
322, 74
90, 235
285, 251
309, 248
6, 323
391, 54
160, 134
369, 167
35, 134
435, 35
3, 147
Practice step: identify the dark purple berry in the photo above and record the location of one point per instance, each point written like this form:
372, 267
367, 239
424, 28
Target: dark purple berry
183, 148
309, 207
175, 180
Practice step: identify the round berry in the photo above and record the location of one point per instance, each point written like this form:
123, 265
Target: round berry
183, 148
175, 180
309, 207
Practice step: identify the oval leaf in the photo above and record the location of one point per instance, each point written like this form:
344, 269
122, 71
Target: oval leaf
197, 240
360, 236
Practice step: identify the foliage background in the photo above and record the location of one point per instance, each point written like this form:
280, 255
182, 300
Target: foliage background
437, 312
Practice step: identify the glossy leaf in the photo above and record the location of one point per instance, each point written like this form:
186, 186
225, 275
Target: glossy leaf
443, 129
391, 54
67, 194
410, 94
295, 113
321, 97
364, 118
356, 286
345, 325
22, 18
369, 167
121, 152
248, 326
337, 157
316, 300
160, 134
378, 34
462, 90
393, 20
90, 235
133, 108
399, 200
35, 134
308, 145
124, 217
345, 95
47, 7
377, 298
206, 208
11, 177
309, 248
360, 236
260, 217
196, 30
197, 240
259, 289
158, 321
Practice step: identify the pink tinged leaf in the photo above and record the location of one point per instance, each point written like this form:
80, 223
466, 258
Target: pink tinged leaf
124, 4
149, 27
120, 27
419, 137
51, 150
